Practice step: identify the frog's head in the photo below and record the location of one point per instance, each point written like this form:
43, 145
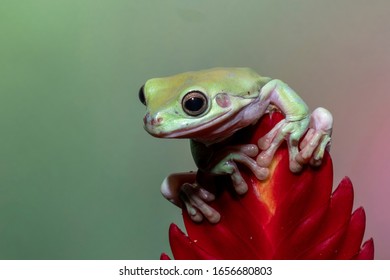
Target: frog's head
204, 105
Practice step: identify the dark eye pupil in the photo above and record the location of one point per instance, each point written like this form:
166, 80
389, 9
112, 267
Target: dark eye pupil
194, 104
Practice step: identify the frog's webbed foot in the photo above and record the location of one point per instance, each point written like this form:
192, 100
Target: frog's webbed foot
292, 131
317, 139
312, 147
195, 199
226, 164
182, 190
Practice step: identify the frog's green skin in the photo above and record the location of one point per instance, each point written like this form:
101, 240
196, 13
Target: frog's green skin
209, 106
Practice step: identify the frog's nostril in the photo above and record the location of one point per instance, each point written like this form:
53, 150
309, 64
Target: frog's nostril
152, 120
141, 95
156, 121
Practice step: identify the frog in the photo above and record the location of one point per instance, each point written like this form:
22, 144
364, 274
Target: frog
209, 107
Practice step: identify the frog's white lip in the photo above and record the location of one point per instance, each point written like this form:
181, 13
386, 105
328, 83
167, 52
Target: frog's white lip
210, 130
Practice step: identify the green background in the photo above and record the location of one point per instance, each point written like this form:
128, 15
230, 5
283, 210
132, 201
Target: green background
79, 177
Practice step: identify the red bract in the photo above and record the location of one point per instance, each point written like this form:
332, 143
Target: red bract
288, 216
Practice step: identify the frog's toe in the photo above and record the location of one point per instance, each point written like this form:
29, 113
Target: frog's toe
264, 159
273, 137
259, 171
313, 147
195, 199
295, 166
308, 145
320, 150
239, 184
194, 214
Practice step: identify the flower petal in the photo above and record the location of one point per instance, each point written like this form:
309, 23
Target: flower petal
367, 251
325, 245
293, 244
354, 236
298, 197
183, 248
234, 237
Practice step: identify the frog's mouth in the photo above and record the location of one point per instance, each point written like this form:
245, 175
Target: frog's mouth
209, 132
186, 128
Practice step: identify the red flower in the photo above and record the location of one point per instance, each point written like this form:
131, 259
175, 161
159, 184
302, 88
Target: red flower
288, 216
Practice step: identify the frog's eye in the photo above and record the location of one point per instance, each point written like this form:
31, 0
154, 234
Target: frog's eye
194, 103
141, 95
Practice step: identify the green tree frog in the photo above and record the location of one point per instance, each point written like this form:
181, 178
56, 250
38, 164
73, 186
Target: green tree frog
208, 107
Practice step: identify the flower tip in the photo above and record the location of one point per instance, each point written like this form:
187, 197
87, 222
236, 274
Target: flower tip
164, 257
346, 182
175, 230
360, 215
367, 251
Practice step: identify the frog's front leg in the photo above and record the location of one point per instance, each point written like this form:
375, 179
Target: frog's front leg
318, 128
291, 128
225, 163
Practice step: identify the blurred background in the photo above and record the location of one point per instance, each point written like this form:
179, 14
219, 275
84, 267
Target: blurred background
80, 178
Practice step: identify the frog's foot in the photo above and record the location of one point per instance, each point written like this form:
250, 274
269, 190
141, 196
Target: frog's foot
292, 131
178, 190
226, 164
195, 199
317, 139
